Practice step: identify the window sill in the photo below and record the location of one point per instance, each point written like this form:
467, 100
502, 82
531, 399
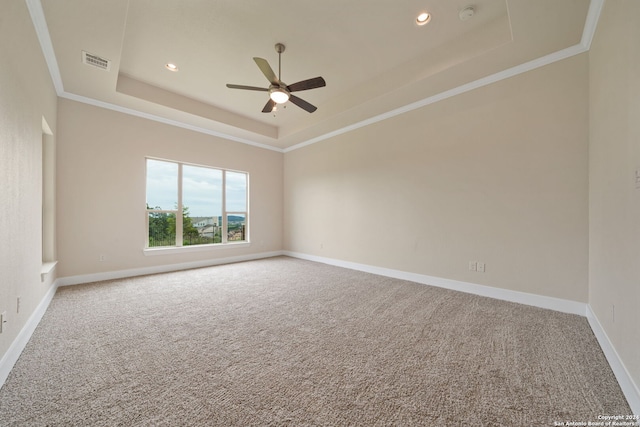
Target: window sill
47, 267
195, 248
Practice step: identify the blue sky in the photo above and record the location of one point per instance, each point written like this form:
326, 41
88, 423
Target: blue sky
202, 188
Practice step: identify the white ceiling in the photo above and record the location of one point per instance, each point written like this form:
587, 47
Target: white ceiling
376, 61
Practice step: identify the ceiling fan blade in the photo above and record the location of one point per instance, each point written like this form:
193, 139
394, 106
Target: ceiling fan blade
307, 84
268, 107
266, 70
302, 104
261, 89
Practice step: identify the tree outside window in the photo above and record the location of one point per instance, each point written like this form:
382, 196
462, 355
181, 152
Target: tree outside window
204, 205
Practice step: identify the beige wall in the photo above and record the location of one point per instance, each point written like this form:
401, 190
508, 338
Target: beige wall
614, 200
26, 96
497, 175
501, 175
101, 188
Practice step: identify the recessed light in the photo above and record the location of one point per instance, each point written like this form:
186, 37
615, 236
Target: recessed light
423, 18
466, 13
171, 67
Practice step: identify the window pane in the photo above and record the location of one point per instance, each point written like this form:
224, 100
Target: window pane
208, 229
202, 205
162, 229
236, 228
162, 185
236, 192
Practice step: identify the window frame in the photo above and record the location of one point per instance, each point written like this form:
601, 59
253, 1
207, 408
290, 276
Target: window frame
179, 246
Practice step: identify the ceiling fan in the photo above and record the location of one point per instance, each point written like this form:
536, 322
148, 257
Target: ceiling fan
279, 92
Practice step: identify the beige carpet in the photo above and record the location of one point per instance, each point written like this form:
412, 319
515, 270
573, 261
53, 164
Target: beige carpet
286, 342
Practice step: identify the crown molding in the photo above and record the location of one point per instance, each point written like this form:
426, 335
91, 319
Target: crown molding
591, 23
42, 31
155, 118
493, 78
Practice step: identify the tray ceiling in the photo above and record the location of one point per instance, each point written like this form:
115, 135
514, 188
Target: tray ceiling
375, 59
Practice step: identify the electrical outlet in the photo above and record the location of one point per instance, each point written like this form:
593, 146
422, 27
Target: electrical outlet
472, 266
102, 258
3, 320
638, 178
480, 267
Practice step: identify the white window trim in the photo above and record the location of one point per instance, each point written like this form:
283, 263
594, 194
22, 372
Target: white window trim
168, 250
46, 269
179, 248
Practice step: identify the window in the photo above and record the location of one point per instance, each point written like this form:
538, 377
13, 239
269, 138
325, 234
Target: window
189, 205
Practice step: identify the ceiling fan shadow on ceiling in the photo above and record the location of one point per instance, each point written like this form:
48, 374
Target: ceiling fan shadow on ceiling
279, 92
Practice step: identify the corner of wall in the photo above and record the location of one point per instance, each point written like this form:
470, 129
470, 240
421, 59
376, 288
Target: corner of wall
628, 386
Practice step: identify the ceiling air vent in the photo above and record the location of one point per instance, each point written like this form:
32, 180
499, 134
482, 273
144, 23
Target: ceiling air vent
96, 61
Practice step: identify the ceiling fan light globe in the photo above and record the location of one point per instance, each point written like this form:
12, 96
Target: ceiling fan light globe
279, 96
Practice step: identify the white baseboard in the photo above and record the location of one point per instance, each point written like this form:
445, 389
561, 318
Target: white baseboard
13, 353
551, 303
628, 386
17, 346
119, 274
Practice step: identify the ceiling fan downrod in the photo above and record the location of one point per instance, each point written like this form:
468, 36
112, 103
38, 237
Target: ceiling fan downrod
279, 48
